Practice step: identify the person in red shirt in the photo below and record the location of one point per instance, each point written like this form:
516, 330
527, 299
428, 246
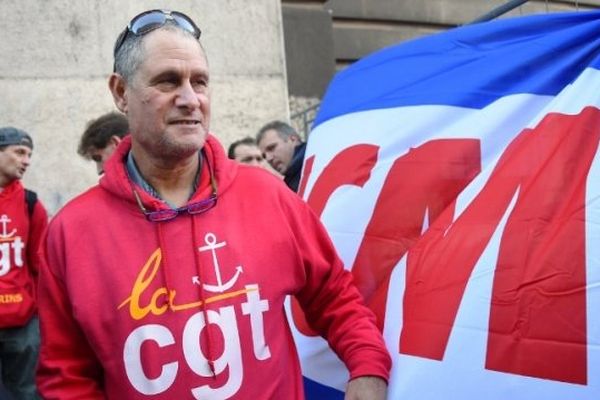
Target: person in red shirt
22, 221
168, 279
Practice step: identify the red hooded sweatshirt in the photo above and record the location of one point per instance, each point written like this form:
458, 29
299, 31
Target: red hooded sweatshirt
193, 307
20, 237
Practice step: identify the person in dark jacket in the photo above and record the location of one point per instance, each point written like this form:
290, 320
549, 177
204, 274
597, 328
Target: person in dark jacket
284, 149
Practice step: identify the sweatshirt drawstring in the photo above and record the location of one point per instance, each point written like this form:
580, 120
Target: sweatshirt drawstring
163, 269
169, 299
211, 363
158, 217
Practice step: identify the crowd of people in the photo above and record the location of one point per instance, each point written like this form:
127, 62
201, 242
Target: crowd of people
168, 278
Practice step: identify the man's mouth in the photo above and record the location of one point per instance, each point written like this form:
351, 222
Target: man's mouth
190, 122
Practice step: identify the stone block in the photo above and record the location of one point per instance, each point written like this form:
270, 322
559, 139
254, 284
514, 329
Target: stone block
440, 12
354, 41
308, 50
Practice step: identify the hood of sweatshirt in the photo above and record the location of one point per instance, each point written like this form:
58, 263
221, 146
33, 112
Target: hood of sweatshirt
116, 181
13, 188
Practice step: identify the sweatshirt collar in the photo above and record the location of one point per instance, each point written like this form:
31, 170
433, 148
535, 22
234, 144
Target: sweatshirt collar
136, 177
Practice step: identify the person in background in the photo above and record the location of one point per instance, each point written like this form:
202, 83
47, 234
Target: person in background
246, 151
23, 220
101, 137
168, 279
284, 150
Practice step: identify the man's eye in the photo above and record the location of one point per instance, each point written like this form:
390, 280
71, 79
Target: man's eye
200, 83
167, 82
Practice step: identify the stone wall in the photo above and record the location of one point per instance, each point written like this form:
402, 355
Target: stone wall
57, 56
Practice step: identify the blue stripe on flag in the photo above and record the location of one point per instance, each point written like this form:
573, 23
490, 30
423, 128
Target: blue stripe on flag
470, 66
315, 391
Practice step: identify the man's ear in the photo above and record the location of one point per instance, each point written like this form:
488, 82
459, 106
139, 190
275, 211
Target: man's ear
295, 139
114, 140
118, 86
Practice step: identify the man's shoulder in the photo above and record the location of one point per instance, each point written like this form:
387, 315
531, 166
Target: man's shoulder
83, 205
15, 193
11, 188
257, 176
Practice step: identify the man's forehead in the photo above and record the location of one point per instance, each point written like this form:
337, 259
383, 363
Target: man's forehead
271, 136
158, 42
246, 148
18, 148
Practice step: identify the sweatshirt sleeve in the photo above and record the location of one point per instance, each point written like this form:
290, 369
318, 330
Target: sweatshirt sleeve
334, 306
68, 368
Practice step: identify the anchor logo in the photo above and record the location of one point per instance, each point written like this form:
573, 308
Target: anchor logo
4, 220
211, 244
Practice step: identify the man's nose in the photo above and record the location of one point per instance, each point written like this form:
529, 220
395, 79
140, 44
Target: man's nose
187, 97
26, 160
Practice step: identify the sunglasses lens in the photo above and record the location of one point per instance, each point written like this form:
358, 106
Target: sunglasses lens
184, 22
162, 215
147, 22
151, 20
201, 206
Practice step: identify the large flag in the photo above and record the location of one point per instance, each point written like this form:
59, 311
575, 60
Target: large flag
459, 178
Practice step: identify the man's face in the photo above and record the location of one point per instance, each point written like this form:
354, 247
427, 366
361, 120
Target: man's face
278, 151
168, 101
14, 160
249, 154
100, 156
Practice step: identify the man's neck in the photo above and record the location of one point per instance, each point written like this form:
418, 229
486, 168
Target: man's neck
4, 182
173, 182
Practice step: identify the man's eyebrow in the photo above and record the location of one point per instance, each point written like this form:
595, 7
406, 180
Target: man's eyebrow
200, 73
168, 75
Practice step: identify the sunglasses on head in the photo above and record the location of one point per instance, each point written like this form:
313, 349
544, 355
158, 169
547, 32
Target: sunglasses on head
151, 20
